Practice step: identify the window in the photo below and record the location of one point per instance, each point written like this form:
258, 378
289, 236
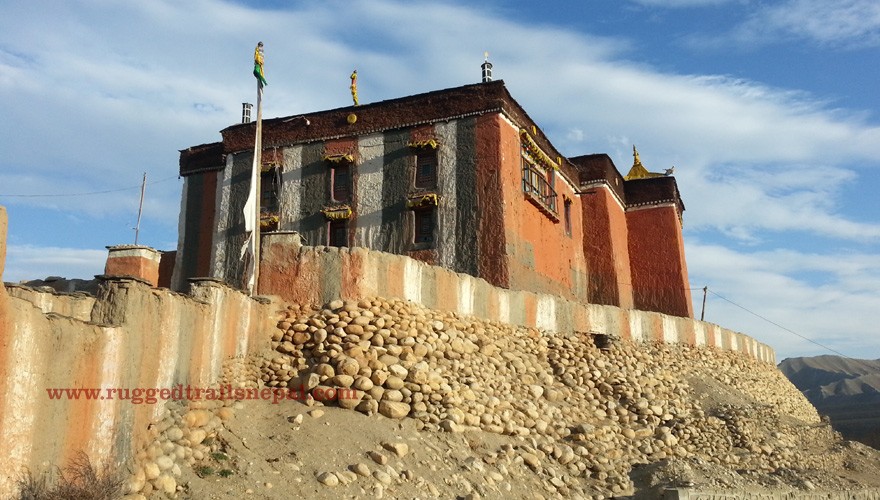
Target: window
340, 180
426, 168
269, 205
538, 187
269, 191
337, 233
539, 175
567, 209
424, 225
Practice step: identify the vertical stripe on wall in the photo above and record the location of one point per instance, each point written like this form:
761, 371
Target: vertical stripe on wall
291, 188
412, 280
168, 340
206, 229
669, 329
110, 376
314, 194
234, 237
700, 334
491, 248
195, 191
504, 307
466, 197
466, 295
195, 229
177, 278
396, 181
368, 188
20, 407
546, 313
635, 328
218, 268
446, 188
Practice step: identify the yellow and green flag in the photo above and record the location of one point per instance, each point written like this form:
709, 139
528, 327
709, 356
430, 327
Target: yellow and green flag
258, 64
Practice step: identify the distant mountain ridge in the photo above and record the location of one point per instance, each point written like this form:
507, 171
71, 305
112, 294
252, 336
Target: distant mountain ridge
846, 390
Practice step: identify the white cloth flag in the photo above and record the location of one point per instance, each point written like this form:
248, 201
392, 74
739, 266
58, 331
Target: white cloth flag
251, 207
249, 249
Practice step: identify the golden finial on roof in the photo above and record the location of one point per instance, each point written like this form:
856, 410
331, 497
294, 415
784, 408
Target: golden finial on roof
638, 171
354, 87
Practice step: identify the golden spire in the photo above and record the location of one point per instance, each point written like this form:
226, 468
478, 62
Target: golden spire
638, 171
354, 87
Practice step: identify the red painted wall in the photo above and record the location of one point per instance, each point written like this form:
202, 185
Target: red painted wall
656, 251
139, 267
492, 241
540, 255
606, 249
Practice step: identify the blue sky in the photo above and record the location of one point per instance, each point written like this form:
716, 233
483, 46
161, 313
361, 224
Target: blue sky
768, 110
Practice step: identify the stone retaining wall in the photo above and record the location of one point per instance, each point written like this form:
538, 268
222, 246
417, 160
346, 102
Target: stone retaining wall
317, 275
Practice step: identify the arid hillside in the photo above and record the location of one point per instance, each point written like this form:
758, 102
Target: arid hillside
441, 406
846, 390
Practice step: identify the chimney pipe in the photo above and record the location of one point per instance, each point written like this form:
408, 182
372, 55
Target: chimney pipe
246, 112
487, 69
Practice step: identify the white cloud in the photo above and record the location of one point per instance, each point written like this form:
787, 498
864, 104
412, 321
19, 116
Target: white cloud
575, 135
741, 201
841, 23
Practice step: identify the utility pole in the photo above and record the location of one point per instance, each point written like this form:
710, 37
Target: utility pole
703, 312
137, 227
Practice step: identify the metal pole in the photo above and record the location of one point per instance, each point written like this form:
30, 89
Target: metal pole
703, 312
137, 227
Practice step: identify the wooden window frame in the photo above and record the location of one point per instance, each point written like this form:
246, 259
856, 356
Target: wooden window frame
426, 157
337, 188
538, 186
566, 208
333, 229
424, 218
270, 189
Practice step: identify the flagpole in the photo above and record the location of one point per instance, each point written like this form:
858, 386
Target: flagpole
259, 165
137, 227
253, 204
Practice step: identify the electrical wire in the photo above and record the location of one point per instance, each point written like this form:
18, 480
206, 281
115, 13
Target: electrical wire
777, 324
84, 194
707, 289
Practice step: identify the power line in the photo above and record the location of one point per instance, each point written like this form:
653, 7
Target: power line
778, 325
84, 194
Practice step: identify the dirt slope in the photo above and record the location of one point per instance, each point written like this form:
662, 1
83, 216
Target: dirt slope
442, 406
844, 389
